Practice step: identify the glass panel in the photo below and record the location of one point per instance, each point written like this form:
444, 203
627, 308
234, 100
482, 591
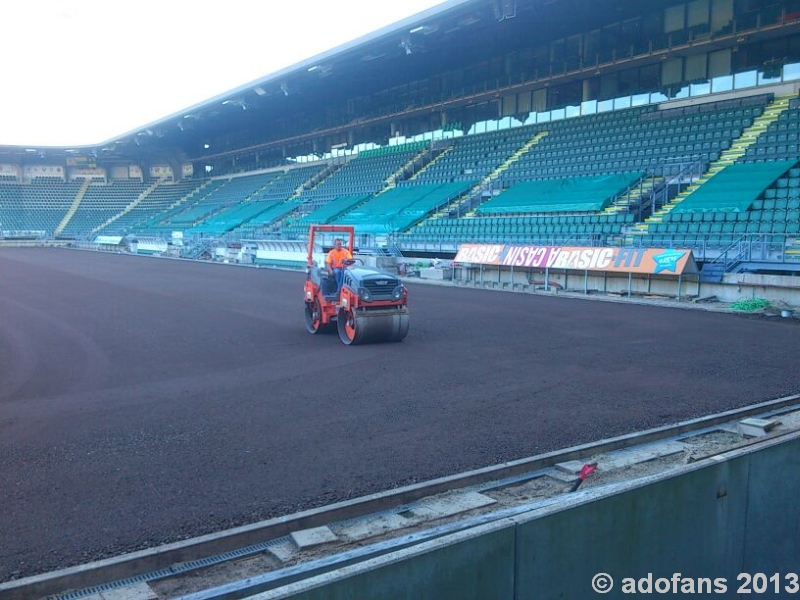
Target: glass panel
658, 97
573, 111
683, 92
745, 80
640, 99
791, 72
558, 114
624, 102
700, 89
769, 77
722, 84
589, 107
605, 105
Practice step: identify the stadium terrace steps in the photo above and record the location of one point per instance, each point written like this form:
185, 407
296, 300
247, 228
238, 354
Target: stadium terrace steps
489, 179
407, 167
233, 216
468, 197
219, 196
793, 249
73, 207
260, 218
737, 150
433, 162
368, 173
328, 211
167, 199
633, 196
400, 207
126, 210
36, 206
515, 156
154, 205
715, 224
735, 188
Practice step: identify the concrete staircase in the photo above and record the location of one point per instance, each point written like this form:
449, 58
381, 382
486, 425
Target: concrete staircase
727, 158
76, 202
492, 177
793, 248
436, 159
632, 196
130, 207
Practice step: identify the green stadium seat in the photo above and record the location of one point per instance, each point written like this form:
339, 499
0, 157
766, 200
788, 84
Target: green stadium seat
778, 227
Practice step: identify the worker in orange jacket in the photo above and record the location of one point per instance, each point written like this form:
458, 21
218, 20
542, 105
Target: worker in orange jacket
337, 260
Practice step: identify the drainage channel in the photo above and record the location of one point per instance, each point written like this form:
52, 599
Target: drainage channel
256, 558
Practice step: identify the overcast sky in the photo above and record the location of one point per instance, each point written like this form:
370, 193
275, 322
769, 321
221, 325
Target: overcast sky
81, 73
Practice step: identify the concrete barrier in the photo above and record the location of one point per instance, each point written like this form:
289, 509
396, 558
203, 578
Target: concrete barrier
714, 519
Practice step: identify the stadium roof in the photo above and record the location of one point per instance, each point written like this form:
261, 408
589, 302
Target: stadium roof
357, 91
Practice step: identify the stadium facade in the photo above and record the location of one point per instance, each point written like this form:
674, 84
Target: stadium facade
557, 123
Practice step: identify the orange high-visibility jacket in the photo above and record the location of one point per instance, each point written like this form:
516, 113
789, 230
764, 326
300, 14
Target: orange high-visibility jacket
337, 256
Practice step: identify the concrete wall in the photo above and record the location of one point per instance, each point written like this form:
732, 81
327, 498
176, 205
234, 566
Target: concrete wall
752, 285
578, 281
735, 286
713, 519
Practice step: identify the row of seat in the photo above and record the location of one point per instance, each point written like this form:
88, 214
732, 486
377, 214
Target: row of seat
704, 241
732, 227
743, 216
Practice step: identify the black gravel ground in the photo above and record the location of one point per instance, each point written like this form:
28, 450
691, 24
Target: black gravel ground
144, 401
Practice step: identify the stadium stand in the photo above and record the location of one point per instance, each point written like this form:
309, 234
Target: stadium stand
39, 205
524, 184
143, 215
99, 204
666, 159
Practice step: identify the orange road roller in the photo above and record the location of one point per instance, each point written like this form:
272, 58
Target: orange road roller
365, 305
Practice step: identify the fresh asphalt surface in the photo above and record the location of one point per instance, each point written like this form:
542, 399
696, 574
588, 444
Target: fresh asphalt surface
144, 401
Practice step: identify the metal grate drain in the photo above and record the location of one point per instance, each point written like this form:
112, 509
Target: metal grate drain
170, 571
